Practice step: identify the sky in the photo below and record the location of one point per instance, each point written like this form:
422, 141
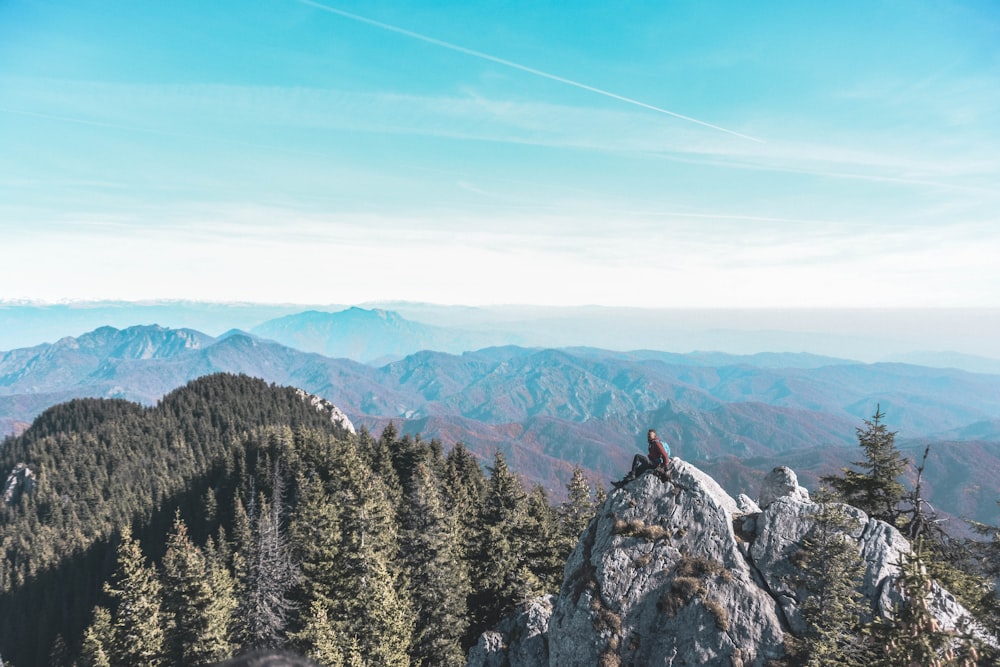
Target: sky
655, 154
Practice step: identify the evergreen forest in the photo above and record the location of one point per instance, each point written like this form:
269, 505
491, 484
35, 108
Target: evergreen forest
233, 515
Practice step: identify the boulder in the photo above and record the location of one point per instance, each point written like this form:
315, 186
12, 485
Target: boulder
659, 578
781, 483
519, 640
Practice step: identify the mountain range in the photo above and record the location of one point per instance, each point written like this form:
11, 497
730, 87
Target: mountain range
551, 409
965, 338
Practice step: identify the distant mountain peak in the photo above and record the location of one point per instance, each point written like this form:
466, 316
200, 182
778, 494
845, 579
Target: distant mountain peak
372, 336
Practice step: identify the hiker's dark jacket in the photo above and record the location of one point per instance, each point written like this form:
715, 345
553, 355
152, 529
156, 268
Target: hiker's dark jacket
659, 455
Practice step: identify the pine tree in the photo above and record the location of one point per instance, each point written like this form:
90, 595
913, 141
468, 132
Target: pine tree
59, 653
315, 536
500, 578
318, 638
383, 624
96, 640
876, 490
575, 513
199, 615
464, 487
137, 628
380, 456
463, 471
241, 543
438, 580
913, 637
543, 549
224, 603
367, 605
831, 574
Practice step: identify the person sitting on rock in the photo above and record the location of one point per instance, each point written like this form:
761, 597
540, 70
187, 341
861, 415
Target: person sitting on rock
657, 461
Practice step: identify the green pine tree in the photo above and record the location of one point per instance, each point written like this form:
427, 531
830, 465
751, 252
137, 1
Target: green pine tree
831, 574
500, 576
464, 488
316, 539
59, 653
198, 614
241, 544
876, 489
543, 550
912, 637
575, 513
380, 456
96, 640
137, 628
438, 579
318, 638
367, 605
314, 532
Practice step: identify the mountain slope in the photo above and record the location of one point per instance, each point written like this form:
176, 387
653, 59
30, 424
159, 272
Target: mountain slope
103, 465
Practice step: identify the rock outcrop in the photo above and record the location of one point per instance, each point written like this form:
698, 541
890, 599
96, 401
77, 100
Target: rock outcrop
21, 481
337, 416
520, 640
677, 573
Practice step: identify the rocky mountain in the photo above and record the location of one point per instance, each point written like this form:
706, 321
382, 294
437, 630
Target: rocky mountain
678, 572
142, 363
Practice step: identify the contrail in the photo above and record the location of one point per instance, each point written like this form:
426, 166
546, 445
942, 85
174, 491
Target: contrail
518, 66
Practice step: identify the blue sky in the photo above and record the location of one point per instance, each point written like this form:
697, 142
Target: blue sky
822, 154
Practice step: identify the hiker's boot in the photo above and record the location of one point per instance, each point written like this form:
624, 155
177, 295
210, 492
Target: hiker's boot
628, 478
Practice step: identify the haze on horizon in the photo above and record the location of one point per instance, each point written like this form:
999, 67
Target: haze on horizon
665, 155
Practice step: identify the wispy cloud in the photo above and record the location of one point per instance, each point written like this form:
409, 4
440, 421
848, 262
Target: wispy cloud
227, 114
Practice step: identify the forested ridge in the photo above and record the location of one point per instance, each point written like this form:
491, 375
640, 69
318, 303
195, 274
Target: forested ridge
234, 515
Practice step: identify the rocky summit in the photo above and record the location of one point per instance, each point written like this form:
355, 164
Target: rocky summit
678, 572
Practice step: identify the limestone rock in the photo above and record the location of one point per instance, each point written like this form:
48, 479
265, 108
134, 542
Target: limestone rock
659, 578
781, 483
778, 531
746, 505
519, 640
336, 415
676, 572
267, 658
21, 481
